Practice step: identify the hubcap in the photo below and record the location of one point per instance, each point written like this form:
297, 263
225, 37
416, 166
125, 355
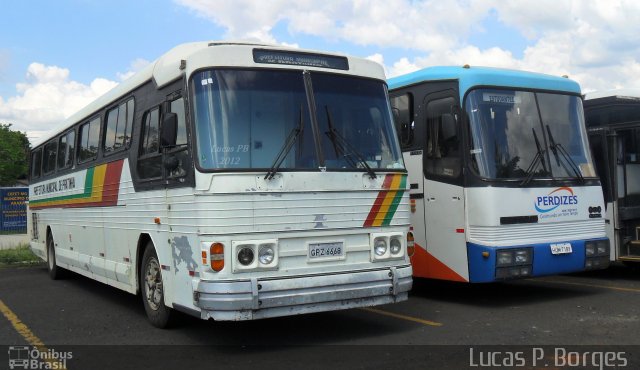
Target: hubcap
153, 284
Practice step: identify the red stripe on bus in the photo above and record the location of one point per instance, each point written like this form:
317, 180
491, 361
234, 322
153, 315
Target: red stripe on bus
378, 202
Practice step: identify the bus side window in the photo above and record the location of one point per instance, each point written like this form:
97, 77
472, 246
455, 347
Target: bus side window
179, 152
177, 107
66, 149
49, 159
150, 160
403, 118
443, 145
89, 137
119, 124
36, 163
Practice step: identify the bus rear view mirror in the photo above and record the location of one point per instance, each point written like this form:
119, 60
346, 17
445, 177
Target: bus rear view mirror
169, 133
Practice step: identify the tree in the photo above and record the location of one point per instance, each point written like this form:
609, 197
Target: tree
14, 155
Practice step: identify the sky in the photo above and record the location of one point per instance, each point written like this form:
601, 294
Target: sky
57, 56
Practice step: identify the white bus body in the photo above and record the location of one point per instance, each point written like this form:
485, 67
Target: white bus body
196, 183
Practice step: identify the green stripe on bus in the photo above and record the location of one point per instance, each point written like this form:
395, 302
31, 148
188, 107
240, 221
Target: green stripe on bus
88, 185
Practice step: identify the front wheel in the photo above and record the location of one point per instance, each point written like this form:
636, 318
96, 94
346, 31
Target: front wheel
152, 289
55, 272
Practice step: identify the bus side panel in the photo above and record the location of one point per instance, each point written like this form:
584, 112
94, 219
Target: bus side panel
446, 253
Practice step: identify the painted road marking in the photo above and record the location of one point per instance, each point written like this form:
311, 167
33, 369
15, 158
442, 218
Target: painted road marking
589, 285
28, 335
402, 317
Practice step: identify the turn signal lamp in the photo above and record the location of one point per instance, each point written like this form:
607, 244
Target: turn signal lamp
216, 253
410, 243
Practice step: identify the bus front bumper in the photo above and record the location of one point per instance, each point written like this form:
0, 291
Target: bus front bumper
258, 298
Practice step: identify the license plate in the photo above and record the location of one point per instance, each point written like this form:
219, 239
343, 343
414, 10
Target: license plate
561, 248
326, 250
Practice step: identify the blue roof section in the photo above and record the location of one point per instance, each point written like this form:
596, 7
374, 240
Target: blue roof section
486, 76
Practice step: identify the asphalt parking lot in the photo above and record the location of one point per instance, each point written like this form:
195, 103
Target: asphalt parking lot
591, 309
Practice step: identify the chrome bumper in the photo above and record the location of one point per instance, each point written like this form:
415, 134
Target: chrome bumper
261, 298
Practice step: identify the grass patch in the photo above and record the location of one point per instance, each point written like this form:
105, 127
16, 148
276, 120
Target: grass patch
18, 256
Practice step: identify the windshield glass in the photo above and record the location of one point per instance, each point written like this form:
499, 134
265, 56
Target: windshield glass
244, 118
509, 129
357, 111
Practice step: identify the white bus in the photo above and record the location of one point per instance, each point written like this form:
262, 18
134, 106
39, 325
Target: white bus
231, 181
613, 124
501, 177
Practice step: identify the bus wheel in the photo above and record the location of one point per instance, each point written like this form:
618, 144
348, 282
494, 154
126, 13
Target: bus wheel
55, 272
152, 289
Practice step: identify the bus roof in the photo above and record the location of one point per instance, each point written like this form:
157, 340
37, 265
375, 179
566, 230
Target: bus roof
470, 77
628, 94
170, 67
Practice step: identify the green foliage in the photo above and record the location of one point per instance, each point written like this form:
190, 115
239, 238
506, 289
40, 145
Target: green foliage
14, 154
16, 256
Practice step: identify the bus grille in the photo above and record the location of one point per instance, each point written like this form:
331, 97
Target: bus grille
536, 233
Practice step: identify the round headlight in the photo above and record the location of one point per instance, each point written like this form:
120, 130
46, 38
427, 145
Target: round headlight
380, 247
395, 246
245, 256
266, 254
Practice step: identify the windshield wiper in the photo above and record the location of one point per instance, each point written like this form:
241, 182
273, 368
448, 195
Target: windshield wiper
530, 171
555, 148
340, 145
288, 144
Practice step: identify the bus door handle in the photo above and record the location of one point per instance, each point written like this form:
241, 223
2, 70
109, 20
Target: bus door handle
431, 199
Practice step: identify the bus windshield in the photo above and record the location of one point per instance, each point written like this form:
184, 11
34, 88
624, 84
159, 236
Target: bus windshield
520, 134
245, 118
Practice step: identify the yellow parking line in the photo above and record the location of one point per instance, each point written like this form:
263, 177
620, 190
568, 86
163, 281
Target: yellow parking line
28, 335
589, 285
20, 327
403, 317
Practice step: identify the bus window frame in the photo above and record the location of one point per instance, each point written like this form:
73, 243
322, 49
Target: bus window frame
79, 138
34, 153
73, 149
431, 96
128, 128
53, 141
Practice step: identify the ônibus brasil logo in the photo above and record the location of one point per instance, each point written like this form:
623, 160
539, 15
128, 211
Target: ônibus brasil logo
559, 197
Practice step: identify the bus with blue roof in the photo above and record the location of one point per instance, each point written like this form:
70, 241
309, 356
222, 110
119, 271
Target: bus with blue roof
502, 182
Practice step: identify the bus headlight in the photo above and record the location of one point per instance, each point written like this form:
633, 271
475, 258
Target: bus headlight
245, 256
380, 247
266, 254
594, 248
504, 258
513, 257
514, 263
596, 254
590, 249
395, 246
523, 257
602, 247
252, 255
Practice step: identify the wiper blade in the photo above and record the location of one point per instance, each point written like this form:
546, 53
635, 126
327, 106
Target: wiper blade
341, 145
555, 148
539, 157
288, 144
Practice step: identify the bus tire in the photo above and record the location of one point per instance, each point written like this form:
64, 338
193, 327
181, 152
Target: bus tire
152, 289
55, 272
